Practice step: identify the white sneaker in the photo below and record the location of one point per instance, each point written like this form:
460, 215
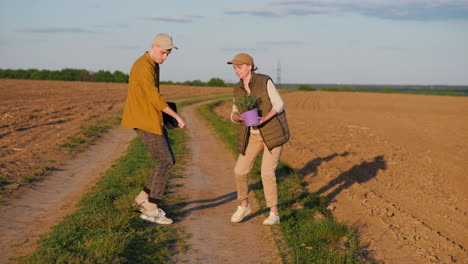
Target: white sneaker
273, 219
140, 199
158, 217
146, 207
240, 213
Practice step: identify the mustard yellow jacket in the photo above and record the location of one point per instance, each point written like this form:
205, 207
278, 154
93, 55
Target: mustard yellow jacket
144, 105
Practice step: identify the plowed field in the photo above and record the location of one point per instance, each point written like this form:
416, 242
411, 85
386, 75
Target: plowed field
395, 165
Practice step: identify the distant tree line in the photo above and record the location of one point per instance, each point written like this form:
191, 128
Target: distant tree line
65, 75
306, 87
213, 82
88, 76
450, 90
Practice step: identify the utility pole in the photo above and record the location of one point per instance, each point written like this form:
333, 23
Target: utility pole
278, 75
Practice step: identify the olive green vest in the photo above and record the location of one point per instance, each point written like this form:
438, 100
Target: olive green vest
275, 132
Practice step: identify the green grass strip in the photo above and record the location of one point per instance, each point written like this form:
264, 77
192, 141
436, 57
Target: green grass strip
88, 134
199, 100
106, 228
309, 231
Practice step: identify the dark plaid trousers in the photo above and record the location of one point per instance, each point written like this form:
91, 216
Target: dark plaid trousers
160, 148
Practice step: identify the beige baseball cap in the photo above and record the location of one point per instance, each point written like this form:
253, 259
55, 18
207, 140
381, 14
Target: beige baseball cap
164, 41
243, 58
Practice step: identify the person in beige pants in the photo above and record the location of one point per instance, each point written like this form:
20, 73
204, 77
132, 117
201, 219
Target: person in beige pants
268, 135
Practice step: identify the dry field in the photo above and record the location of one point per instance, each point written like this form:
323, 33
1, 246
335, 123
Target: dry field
395, 165
37, 116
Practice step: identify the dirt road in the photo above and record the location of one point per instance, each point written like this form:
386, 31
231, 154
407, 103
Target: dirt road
209, 190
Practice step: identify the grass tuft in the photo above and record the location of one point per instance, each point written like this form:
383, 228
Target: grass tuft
88, 135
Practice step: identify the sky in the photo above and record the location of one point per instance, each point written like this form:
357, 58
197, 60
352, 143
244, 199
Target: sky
293, 41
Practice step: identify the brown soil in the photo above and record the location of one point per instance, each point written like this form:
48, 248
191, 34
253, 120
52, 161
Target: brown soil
37, 116
394, 165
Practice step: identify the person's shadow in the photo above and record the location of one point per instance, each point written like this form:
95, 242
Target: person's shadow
311, 166
359, 173
186, 210
284, 171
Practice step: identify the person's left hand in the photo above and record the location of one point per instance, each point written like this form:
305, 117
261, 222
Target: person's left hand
261, 120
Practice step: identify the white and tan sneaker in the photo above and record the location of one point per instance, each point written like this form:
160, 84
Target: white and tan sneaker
273, 219
240, 213
146, 207
141, 198
158, 216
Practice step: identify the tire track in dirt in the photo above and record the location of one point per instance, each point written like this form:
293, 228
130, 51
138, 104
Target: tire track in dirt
25, 219
417, 239
429, 243
210, 194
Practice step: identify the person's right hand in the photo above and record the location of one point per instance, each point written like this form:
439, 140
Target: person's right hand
181, 122
238, 117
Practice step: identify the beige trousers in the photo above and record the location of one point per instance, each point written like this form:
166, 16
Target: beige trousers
269, 163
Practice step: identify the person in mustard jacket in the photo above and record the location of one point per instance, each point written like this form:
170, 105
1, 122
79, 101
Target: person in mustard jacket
143, 112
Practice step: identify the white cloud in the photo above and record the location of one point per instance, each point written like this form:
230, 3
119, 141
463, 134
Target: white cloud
254, 11
237, 50
270, 12
395, 9
282, 43
111, 26
124, 47
174, 19
54, 30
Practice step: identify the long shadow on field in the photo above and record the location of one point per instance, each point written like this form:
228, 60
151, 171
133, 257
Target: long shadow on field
311, 166
207, 203
359, 173
284, 171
